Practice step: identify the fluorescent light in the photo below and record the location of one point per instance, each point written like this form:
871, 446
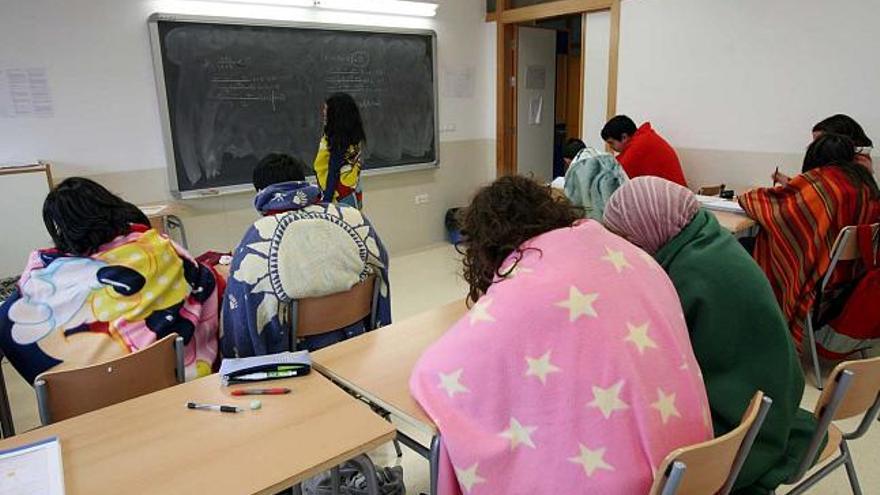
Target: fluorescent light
285, 3
397, 7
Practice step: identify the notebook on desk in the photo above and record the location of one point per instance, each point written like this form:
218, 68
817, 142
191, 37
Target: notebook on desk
720, 204
32, 469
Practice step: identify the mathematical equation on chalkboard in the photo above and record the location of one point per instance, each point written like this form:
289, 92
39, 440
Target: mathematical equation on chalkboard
232, 82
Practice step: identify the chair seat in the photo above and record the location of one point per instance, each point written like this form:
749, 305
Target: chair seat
833, 446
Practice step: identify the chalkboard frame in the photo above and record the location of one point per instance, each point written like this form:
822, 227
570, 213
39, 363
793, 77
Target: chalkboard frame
165, 116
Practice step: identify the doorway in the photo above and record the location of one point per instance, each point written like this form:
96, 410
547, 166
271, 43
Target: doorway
555, 59
549, 94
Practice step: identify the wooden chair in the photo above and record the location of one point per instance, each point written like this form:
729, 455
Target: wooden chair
852, 389
7, 428
715, 190
845, 248
712, 466
68, 393
318, 315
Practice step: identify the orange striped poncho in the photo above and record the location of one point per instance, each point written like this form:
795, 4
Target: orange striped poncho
799, 223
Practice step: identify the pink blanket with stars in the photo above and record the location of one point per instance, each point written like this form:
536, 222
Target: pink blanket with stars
572, 375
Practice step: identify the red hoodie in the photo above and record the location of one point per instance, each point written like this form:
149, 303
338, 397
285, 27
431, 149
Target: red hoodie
650, 154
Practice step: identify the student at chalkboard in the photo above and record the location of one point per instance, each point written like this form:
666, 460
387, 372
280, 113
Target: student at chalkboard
340, 159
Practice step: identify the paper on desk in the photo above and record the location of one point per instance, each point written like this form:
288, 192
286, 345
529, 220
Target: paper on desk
152, 211
33, 469
720, 204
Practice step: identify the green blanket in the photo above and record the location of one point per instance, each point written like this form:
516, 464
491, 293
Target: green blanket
742, 343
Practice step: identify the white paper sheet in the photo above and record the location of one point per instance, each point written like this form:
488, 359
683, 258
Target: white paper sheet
24, 92
33, 469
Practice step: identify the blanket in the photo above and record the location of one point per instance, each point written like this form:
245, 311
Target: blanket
799, 223
573, 375
741, 341
591, 179
308, 251
71, 311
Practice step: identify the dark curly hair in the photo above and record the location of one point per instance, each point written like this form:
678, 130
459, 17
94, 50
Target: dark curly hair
500, 218
81, 215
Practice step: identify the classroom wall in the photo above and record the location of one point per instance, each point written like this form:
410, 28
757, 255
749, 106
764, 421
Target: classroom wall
105, 122
737, 86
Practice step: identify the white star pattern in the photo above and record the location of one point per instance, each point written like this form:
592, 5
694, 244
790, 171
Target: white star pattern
617, 259
608, 400
467, 478
684, 366
451, 383
638, 335
518, 434
665, 405
480, 311
578, 304
541, 367
591, 460
647, 257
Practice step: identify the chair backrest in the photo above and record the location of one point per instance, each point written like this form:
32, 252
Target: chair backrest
68, 393
715, 190
7, 428
317, 315
845, 248
712, 466
863, 392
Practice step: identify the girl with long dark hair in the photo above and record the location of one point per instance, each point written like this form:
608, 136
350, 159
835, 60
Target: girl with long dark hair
340, 155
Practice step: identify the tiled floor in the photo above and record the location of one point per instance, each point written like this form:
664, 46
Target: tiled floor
428, 278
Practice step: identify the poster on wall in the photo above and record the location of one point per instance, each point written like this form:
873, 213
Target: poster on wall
24, 92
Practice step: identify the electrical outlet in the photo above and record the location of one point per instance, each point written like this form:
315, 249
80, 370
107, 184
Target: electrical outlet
422, 199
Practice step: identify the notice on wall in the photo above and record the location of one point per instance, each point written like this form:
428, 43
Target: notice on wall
536, 108
24, 92
536, 77
458, 82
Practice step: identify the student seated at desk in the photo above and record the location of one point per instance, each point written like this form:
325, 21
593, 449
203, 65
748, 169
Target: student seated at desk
738, 333
300, 248
642, 151
110, 286
845, 126
572, 371
801, 220
591, 179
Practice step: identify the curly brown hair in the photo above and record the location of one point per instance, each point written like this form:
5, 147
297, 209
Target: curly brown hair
500, 218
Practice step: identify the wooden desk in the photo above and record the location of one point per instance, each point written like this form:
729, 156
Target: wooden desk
378, 364
164, 218
153, 444
738, 225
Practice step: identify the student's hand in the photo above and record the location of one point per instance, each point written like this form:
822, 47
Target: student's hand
780, 178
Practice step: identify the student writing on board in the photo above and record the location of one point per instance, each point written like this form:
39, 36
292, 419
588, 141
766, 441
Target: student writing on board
339, 160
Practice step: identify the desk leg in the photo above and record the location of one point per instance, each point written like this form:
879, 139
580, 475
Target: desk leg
334, 481
434, 463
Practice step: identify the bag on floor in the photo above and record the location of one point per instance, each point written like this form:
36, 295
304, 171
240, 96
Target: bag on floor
857, 327
353, 480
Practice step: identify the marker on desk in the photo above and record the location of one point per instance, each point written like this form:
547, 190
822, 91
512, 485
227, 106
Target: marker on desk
261, 391
214, 407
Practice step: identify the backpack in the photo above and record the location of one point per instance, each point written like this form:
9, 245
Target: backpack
857, 326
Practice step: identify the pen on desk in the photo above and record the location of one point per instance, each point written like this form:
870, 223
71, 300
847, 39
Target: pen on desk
261, 391
214, 407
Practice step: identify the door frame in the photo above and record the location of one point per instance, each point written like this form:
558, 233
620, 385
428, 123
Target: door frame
507, 19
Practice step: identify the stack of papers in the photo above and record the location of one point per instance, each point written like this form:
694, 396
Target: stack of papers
33, 469
269, 367
720, 204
